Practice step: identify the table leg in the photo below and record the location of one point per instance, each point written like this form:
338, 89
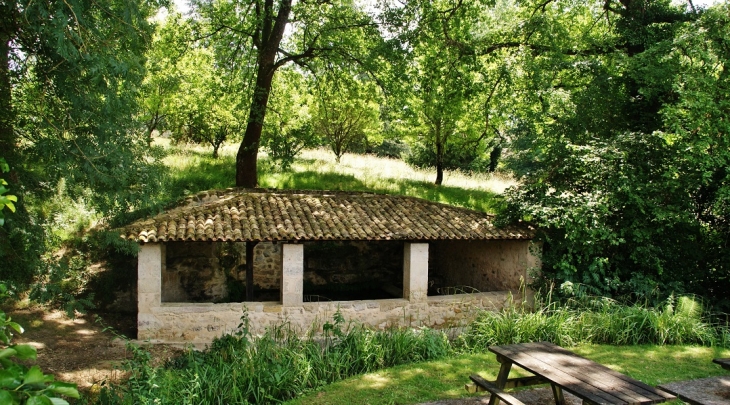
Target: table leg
501, 378
558, 394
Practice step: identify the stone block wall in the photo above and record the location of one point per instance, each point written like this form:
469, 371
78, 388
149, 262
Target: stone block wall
206, 272
199, 323
495, 265
203, 271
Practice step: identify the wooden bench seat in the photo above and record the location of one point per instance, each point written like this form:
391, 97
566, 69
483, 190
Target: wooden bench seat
488, 386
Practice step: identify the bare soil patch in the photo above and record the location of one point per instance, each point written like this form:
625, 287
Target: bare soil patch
81, 350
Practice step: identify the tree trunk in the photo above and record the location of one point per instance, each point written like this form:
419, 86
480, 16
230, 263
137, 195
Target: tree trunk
439, 163
247, 156
7, 135
272, 31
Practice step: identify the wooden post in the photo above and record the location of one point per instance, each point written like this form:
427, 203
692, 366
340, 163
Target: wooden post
249, 270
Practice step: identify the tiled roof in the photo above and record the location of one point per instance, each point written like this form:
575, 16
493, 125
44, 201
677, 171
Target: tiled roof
239, 215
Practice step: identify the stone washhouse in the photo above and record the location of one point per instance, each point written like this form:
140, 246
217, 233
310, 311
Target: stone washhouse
300, 256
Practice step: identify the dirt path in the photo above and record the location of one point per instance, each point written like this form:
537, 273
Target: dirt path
79, 350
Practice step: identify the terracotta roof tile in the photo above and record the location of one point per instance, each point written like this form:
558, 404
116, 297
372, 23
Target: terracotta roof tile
295, 215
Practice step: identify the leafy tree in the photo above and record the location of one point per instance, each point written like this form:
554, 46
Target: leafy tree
205, 104
623, 170
163, 77
345, 112
288, 127
69, 72
250, 34
451, 111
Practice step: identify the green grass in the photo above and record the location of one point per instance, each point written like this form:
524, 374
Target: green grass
192, 169
445, 379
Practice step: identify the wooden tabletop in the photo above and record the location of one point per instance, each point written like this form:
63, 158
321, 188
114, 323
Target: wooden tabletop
580, 376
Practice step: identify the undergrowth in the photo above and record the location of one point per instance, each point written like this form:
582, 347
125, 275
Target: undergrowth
244, 369
241, 368
599, 320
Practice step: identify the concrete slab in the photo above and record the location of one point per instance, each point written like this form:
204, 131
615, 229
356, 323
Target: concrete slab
703, 391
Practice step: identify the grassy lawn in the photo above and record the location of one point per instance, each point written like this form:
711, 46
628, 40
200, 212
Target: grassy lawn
424, 382
193, 170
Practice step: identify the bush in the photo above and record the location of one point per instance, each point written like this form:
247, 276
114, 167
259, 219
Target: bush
392, 148
456, 157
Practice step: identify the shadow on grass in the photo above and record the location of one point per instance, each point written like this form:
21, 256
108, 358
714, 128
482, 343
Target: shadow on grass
480, 200
443, 379
406, 384
208, 174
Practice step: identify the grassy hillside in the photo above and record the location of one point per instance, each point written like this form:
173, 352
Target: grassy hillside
192, 169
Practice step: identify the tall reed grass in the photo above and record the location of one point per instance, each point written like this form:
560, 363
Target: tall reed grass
596, 320
269, 369
280, 365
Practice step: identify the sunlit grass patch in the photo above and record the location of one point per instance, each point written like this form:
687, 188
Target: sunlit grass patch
193, 169
445, 379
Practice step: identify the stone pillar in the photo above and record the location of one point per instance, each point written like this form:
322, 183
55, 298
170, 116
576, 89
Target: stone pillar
150, 263
415, 272
292, 274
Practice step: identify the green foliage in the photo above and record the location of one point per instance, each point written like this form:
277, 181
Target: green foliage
345, 114
456, 156
268, 369
20, 384
288, 127
74, 69
588, 319
205, 107
6, 200
623, 162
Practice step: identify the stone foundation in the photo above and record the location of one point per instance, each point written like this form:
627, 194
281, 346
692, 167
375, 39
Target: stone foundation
495, 268
200, 323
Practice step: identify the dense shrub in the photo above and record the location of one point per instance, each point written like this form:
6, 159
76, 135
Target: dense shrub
456, 157
392, 148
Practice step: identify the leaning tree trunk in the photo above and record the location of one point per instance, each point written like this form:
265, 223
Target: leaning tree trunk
271, 33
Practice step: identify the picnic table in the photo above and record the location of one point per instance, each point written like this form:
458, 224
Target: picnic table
564, 370
724, 363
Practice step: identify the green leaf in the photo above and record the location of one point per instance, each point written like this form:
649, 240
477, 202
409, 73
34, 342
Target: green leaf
7, 352
6, 398
9, 379
25, 352
15, 327
34, 376
63, 388
59, 401
40, 400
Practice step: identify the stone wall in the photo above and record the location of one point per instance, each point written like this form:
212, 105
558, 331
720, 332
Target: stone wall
495, 265
216, 272
200, 323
